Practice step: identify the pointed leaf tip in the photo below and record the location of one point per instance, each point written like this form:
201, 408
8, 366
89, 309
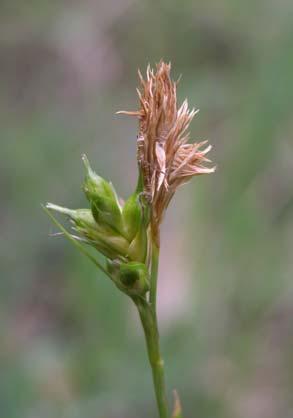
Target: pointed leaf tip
60, 209
86, 163
75, 241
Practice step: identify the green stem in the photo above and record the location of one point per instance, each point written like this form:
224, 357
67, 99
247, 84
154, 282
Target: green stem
149, 323
154, 277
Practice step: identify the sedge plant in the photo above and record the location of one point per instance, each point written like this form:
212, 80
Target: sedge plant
128, 234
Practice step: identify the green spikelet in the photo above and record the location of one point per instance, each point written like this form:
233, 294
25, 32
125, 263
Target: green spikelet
137, 250
103, 199
134, 277
101, 237
132, 216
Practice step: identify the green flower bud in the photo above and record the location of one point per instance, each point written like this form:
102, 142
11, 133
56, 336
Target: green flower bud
134, 277
136, 217
103, 199
132, 216
112, 245
137, 250
82, 218
131, 278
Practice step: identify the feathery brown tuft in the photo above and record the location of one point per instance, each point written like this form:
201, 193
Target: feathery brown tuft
166, 159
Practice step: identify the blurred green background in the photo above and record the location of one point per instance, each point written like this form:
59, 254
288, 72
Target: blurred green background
71, 345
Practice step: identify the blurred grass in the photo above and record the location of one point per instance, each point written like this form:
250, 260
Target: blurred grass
71, 345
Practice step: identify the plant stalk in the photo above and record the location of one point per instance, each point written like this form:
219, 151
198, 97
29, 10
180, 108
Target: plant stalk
148, 316
150, 327
154, 277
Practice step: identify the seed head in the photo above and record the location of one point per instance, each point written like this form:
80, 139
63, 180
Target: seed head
165, 158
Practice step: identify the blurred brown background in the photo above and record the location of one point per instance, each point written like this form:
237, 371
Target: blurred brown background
71, 345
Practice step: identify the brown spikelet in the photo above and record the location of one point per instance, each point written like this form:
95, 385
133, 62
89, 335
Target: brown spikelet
165, 158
